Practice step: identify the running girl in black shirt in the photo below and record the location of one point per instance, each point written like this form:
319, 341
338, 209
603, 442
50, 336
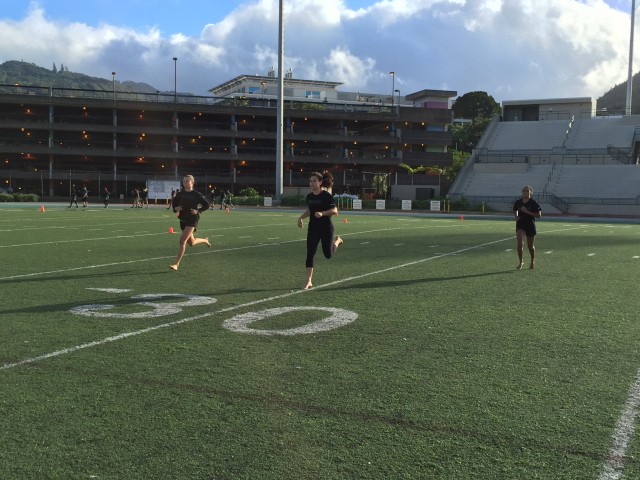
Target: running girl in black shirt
188, 203
320, 209
526, 210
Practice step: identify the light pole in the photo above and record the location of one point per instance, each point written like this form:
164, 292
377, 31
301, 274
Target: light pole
393, 86
398, 102
113, 76
175, 79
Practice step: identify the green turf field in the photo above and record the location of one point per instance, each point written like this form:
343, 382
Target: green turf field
420, 353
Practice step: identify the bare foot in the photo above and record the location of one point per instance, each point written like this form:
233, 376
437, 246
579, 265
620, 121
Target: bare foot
338, 241
533, 265
174, 267
519, 267
206, 240
308, 286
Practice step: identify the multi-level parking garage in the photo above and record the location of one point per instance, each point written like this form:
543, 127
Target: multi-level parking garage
51, 138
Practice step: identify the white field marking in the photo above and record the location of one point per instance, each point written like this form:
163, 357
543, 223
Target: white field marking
159, 309
110, 290
509, 250
165, 257
433, 246
365, 243
273, 238
338, 318
613, 467
398, 244
95, 230
142, 232
246, 236
549, 252
636, 256
111, 238
591, 255
122, 336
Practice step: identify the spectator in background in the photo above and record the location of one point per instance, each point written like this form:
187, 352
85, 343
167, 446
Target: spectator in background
105, 196
85, 196
73, 194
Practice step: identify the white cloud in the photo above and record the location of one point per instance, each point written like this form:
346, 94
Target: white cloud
513, 49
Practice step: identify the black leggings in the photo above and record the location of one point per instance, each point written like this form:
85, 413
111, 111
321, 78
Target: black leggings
324, 235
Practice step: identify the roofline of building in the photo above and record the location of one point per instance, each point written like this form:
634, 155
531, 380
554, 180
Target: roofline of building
262, 78
432, 93
546, 101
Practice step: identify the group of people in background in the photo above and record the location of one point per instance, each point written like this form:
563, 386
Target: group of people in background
83, 193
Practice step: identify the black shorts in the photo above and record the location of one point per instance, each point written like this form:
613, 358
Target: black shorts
190, 223
529, 229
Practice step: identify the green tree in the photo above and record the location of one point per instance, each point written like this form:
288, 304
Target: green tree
412, 171
475, 105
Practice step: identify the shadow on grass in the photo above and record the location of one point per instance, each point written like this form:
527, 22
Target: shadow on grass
415, 281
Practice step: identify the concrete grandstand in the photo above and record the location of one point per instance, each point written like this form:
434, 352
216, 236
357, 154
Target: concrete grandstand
576, 162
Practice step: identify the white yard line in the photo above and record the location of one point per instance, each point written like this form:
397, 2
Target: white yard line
613, 468
234, 307
122, 336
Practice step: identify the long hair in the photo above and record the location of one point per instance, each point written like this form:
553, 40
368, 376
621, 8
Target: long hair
325, 178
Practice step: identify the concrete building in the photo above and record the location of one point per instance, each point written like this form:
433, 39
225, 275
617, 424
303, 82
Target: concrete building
51, 138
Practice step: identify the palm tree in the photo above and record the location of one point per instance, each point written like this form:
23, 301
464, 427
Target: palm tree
412, 171
440, 171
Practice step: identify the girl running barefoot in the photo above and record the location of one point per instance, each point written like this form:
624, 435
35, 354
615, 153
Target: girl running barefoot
320, 209
526, 210
188, 203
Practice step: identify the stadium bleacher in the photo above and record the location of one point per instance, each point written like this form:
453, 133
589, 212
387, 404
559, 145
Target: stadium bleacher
561, 159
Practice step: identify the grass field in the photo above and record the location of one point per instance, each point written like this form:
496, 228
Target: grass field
420, 353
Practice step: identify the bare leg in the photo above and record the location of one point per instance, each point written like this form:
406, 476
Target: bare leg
307, 283
532, 251
336, 243
187, 234
520, 238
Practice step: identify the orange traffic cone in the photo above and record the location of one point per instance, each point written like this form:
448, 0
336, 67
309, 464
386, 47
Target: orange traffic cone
42, 208
345, 221
170, 229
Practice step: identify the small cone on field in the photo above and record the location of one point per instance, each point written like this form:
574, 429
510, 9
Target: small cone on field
42, 208
170, 229
345, 221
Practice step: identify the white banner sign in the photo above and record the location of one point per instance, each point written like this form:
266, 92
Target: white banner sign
267, 201
435, 205
380, 204
357, 204
406, 204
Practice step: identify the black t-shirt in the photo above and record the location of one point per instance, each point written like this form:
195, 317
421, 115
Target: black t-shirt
524, 219
319, 203
192, 200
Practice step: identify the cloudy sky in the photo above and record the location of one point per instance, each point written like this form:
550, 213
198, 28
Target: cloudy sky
511, 49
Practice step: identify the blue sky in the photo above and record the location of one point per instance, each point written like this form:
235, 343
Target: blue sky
512, 49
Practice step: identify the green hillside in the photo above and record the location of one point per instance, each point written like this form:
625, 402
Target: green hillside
616, 98
23, 73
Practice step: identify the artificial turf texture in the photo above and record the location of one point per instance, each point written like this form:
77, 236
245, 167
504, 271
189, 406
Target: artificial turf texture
458, 366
